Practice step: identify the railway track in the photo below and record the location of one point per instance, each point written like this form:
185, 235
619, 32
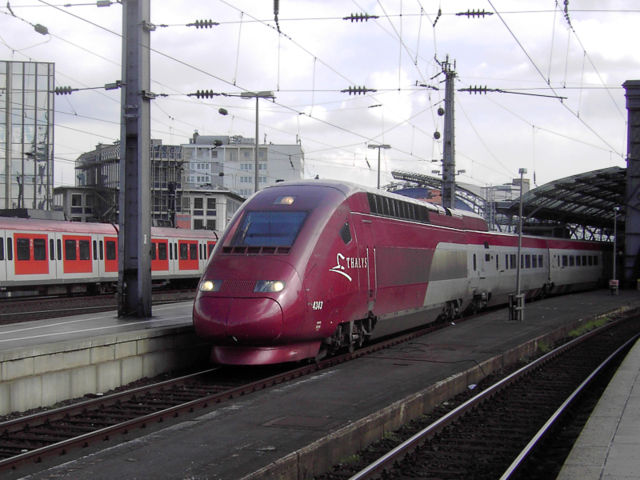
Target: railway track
16, 310
34, 438
520, 427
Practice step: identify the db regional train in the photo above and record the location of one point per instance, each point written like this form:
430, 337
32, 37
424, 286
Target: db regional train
310, 267
57, 257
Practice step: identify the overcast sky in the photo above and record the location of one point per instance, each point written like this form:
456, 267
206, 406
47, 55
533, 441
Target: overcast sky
583, 53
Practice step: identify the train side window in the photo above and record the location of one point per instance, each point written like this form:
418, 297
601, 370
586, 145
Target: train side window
184, 251
584, 260
513, 261
2, 249
497, 262
153, 250
572, 261
111, 250
59, 248
590, 260
170, 252
101, 249
565, 261
527, 261
506, 261
9, 248
39, 249
193, 251
595, 261
541, 261
534, 261
52, 254
95, 250
22, 249
85, 250
200, 249
162, 251
474, 263
69, 249
345, 233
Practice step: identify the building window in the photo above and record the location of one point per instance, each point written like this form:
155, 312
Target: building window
76, 199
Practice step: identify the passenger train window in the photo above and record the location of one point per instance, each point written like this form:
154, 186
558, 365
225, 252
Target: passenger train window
184, 251
474, 262
572, 260
39, 249
85, 250
540, 261
153, 250
595, 261
111, 250
95, 250
9, 248
2, 249
193, 251
345, 233
565, 261
69, 249
59, 248
101, 250
527, 261
51, 250
534, 261
162, 251
513, 261
22, 249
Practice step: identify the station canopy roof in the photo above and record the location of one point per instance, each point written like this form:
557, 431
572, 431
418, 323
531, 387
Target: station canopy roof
586, 199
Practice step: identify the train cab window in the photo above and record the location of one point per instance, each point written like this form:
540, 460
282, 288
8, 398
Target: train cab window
268, 229
85, 250
59, 249
111, 250
193, 251
39, 249
51, 250
22, 249
345, 233
101, 249
9, 248
162, 251
69, 249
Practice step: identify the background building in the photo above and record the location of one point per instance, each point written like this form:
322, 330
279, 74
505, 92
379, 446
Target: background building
26, 135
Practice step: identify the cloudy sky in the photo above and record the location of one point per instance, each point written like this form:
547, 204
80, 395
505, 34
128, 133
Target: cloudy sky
559, 66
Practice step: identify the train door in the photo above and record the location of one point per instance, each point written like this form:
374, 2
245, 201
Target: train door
3, 261
367, 250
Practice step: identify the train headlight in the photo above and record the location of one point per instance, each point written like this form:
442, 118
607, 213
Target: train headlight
210, 285
268, 286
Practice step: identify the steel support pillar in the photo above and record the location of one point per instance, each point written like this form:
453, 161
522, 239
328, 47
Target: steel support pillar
448, 161
631, 266
134, 237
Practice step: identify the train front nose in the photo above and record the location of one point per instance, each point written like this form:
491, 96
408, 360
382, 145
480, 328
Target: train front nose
237, 320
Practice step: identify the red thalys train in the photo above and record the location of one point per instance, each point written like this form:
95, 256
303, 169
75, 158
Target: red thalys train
310, 267
48, 256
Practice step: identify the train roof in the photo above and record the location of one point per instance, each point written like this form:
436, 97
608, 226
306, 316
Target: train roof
442, 216
14, 223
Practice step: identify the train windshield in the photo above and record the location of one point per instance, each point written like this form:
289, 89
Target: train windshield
268, 229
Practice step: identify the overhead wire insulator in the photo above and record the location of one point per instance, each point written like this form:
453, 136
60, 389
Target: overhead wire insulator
203, 24
64, 90
204, 94
474, 13
359, 17
358, 90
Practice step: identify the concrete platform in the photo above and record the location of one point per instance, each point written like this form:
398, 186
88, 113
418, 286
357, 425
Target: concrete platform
303, 427
609, 446
47, 361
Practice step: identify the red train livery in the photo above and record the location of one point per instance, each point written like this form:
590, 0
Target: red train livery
58, 257
310, 267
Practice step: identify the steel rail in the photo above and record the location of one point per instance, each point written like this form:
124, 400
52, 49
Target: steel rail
428, 432
557, 415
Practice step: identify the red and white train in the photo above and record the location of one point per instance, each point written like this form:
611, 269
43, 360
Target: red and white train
48, 256
310, 267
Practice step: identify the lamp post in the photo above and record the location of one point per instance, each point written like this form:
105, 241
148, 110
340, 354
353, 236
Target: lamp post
517, 309
257, 96
613, 285
379, 147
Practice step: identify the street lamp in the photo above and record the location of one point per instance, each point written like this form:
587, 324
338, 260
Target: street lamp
613, 285
379, 147
517, 310
257, 96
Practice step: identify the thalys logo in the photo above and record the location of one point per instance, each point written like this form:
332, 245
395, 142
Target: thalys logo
349, 263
